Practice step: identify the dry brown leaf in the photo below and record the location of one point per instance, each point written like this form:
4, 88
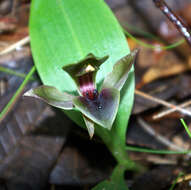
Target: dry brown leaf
20, 33
7, 24
165, 66
160, 63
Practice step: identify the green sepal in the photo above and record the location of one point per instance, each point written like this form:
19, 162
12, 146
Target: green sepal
79, 68
118, 76
52, 96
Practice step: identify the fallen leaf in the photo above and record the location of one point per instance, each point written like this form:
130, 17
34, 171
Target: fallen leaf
160, 63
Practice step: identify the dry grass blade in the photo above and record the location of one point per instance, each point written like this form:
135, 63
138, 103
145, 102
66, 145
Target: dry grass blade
162, 102
159, 137
16, 45
169, 111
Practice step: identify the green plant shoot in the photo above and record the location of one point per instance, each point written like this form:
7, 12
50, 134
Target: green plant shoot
70, 42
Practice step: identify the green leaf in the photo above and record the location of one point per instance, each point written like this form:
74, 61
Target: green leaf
64, 32
119, 74
103, 109
116, 182
52, 96
69, 31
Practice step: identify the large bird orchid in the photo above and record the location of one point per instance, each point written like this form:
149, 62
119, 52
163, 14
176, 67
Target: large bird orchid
97, 106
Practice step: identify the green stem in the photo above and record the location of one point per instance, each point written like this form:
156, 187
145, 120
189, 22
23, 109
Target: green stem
12, 72
186, 127
16, 95
152, 46
146, 150
176, 180
117, 149
139, 31
120, 154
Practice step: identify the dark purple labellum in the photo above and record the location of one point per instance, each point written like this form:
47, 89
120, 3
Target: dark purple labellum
102, 109
87, 87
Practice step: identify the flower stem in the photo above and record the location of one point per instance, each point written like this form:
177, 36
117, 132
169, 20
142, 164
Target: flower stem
118, 149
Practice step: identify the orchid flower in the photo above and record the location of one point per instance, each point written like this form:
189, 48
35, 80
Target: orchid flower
97, 106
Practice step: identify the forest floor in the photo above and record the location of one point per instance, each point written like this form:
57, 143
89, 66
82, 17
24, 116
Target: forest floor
36, 153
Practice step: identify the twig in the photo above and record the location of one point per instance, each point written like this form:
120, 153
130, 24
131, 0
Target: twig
176, 20
162, 102
14, 46
14, 7
159, 137
158, 160
169, 111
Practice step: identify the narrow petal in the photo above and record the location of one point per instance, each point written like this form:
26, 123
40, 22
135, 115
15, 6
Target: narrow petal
52, 96
89, 125
118, 76
102, 110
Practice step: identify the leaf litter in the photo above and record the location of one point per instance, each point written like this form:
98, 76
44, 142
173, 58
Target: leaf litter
164, 74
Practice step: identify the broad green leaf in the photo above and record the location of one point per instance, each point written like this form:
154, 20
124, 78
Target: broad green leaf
102, 110
69, 31
119, 74
64, 32
52, 96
